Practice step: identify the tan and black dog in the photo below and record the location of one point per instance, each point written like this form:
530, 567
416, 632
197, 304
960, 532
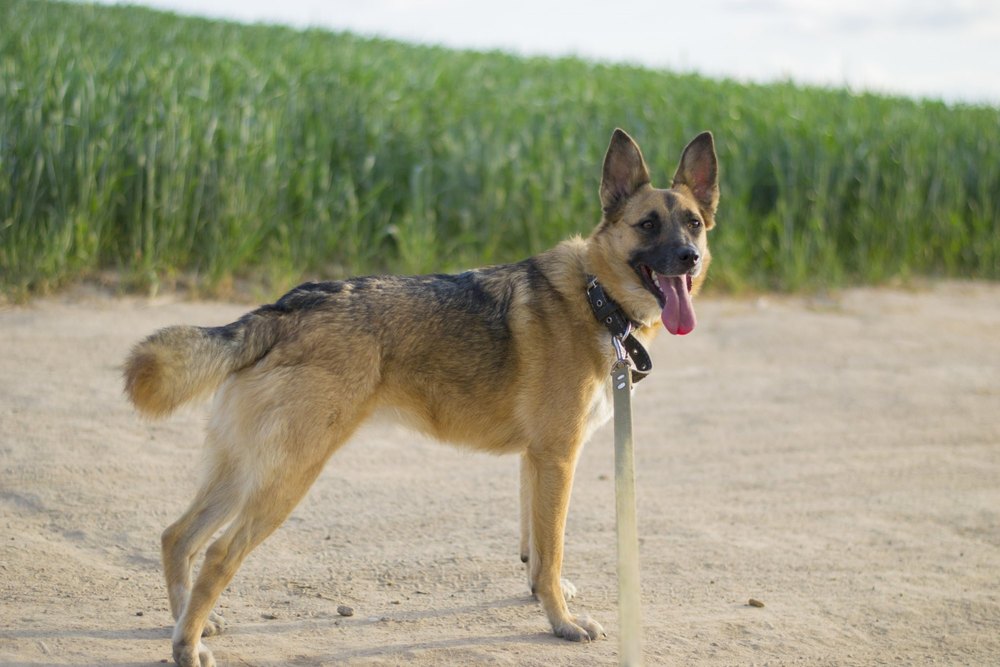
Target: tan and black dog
505, 359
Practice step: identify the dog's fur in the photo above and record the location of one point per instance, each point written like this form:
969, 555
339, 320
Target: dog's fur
506, 359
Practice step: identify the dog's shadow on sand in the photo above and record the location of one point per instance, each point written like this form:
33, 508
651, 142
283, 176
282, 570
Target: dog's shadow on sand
404, 648
472, 641
541, 637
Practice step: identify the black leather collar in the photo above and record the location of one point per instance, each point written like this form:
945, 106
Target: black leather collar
610, 314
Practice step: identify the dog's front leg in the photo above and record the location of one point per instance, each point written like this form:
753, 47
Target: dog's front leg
525, 508
551, 480
568, 589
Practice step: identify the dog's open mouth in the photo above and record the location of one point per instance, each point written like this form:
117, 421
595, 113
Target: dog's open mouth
673, 293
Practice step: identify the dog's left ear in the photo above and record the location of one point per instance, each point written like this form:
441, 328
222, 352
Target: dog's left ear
624, 172
699, 171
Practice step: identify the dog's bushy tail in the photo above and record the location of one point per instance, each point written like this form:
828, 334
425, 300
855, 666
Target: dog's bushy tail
181, 363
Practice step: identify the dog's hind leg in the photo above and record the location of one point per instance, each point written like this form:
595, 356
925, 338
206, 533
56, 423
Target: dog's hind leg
278, 430
264, 508
263, 512
216, 503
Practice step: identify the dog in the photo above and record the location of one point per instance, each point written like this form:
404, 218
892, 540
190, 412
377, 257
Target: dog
503, 359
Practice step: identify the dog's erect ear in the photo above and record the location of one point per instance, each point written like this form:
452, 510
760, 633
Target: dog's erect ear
699, 171
624, 172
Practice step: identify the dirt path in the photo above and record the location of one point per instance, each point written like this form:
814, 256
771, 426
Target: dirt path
837, 459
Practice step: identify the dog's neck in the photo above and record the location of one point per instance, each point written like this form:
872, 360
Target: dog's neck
635, 303
607, 311
620, 326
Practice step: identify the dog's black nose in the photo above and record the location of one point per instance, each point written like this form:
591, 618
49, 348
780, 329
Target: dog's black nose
688, 255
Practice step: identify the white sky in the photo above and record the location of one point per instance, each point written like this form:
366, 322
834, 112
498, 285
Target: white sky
946, 49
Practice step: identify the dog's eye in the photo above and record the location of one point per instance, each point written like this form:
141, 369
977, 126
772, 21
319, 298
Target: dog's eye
648, 224
694, 223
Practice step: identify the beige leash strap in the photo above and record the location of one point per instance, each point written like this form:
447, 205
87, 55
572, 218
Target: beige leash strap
629, 605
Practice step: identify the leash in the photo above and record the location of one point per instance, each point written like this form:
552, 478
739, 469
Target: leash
629, 603
628, 351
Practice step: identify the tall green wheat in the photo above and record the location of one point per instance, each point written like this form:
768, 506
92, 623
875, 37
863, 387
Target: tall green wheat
156, 145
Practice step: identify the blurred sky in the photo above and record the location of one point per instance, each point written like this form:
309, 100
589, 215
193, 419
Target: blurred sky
948, 49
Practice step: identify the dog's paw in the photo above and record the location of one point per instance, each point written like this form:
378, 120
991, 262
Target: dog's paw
215, 625
580, 628
198, 655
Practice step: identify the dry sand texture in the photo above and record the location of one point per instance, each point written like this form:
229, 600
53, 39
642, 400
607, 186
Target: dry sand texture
837, 459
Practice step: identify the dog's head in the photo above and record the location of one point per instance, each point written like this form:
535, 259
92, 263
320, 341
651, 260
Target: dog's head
651, 248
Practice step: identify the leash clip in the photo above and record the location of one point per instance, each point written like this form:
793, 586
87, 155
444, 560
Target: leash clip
617, 341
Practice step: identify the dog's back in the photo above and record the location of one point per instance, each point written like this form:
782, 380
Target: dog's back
451, 353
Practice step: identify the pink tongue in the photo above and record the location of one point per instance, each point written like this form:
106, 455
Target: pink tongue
678, 313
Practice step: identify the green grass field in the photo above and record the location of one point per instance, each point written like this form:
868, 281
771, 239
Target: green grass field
159, 146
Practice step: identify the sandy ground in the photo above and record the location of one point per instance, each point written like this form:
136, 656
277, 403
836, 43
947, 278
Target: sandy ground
836, 458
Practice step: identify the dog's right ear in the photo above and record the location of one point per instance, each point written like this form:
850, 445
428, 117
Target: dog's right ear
699, 171
624, 172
